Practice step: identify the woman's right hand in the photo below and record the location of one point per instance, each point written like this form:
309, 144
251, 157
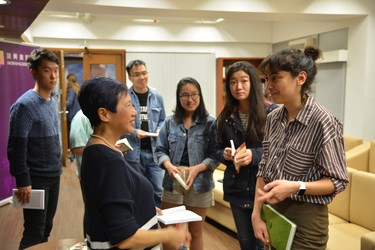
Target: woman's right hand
172, 170
177, 237
228, 154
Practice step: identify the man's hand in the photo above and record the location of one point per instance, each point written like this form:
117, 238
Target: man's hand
24, 194
141, 134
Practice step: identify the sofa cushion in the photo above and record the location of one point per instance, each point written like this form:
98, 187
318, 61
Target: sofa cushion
368, 241
340, 204
362, 202
333, 219
218, 190
371, 164
351, 141
221, 212
358, 157
222, 215
345, 236
221, 167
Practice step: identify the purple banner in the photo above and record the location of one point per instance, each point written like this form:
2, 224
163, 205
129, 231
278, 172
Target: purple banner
15, 79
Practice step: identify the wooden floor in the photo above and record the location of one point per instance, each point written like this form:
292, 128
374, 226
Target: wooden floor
68, 219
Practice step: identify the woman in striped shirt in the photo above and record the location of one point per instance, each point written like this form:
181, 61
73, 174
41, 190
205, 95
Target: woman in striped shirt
303, 164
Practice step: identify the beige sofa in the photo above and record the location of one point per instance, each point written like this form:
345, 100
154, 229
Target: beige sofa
221, 212
362, 157
351, 141
351, 214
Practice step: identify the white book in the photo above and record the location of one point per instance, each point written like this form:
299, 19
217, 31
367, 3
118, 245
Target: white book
36, 200
178, 215
150, 134
125, 145
181, 180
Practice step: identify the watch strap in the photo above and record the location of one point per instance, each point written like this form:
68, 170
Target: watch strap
302, 188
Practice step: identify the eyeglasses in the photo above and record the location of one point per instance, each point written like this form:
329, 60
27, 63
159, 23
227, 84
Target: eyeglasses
186, 96
137, 75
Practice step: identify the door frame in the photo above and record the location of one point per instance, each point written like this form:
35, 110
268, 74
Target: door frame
61, 52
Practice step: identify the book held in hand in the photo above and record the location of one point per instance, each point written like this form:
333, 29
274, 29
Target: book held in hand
150, 134
181, 178
36, 200
239, 151
125, 145
280, 229
178, 215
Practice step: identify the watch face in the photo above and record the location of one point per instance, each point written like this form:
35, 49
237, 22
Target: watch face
301, 191
302, 188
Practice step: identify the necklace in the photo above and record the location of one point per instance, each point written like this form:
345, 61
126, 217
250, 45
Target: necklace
106, 142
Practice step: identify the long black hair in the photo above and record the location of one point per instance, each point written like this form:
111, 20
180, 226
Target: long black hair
257, 113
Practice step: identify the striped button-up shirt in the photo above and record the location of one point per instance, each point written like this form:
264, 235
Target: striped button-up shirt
307, 149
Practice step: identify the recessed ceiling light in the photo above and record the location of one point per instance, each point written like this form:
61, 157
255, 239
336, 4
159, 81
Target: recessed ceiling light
4, 2
146, 20
202, 21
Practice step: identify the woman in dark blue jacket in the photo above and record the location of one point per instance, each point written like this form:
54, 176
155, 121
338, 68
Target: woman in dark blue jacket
242, 120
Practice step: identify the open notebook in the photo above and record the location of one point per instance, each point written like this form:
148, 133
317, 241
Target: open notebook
178, 215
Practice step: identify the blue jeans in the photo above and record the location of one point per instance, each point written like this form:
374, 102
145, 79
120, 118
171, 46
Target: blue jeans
38, 223
151, 170
245, 233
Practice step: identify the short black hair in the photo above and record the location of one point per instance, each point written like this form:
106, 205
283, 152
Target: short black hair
133, 63
100, 92
37, 55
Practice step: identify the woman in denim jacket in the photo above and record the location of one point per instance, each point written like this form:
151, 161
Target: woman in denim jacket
242, 120
184, 146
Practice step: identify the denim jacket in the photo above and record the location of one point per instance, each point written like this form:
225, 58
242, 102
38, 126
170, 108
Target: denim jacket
156, 117
171, 144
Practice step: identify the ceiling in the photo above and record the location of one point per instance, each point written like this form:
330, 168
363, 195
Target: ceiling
20, 14
16, 17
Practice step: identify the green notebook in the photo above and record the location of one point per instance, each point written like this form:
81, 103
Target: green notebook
280, 229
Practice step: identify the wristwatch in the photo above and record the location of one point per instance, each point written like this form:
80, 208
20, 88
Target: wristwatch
302, 188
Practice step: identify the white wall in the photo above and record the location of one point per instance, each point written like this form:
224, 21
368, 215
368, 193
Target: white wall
167, 69
254, 40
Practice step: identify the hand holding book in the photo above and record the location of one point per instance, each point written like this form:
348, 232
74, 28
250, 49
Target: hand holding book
124, 145
280, 229
182, 177
237, 156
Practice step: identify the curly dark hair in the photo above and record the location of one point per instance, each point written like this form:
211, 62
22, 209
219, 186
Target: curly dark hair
294, 61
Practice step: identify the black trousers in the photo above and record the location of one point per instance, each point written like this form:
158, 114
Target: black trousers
245, 232
38, 223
